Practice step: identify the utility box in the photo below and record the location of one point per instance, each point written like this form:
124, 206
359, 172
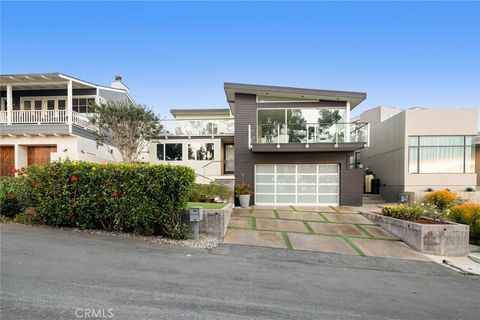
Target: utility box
196, 214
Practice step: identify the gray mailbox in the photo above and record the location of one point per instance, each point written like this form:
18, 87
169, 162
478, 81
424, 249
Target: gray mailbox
196, 214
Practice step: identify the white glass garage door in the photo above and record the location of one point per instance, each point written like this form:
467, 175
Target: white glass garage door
303, 184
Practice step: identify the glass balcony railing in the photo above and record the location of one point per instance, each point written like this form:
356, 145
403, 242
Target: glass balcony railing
204, 127
310, 133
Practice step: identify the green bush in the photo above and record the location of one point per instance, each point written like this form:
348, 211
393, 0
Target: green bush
209, 192
139, 198
442, 199
243, 189
14, 195
468, 213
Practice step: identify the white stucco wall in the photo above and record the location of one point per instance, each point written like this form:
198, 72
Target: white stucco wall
209, 168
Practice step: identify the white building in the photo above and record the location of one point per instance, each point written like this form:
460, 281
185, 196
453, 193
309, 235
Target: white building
43, 117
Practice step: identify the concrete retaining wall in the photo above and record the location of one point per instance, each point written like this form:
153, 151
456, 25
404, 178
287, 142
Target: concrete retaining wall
449, 239
214, 223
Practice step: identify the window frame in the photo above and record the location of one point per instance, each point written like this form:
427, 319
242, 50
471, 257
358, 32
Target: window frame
164, 150
195, 153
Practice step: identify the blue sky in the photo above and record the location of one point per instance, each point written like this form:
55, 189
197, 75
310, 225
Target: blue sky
179, 54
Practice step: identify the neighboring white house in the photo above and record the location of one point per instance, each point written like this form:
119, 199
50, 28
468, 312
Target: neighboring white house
43, 117
201, 139
417, 149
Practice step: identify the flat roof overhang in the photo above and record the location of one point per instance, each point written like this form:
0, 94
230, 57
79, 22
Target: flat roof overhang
355, 98
310, 147
41, 81
201, 112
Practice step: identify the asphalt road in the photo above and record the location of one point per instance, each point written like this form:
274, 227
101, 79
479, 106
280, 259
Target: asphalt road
54, 274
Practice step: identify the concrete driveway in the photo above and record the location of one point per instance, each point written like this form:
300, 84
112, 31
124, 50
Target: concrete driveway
325, 229
59, 274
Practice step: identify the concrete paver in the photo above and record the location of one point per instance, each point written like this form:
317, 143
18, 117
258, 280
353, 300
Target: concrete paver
253, 213
377, 231
387, 248
346, 229
255, 238
281, 225
350, 218
240, 222
297, 215
314, 208
320, 243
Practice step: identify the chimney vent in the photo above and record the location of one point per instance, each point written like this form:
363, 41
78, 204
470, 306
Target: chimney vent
118, 78
118, 84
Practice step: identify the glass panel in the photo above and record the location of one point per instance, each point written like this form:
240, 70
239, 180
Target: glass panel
470, 159
441, 141
285, 198
264, 198
327, 189
325, 168
328, 179
307, 168
90, 101
173, 151
413, 160
306, 198
469, 140
285, 179
38, 104
82, 102
192, 151
82, 109
285, 188
261, 168
306, 188
51, 104
265, 179
27, 105
270, 125
307, 179
327, 199
265, 188
441, 159
281, 168
200, 151
413, 141
160, 154
61, 105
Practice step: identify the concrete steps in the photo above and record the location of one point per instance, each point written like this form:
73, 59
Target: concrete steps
372, 199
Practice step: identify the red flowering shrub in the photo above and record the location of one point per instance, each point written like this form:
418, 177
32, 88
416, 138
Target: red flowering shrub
140, 198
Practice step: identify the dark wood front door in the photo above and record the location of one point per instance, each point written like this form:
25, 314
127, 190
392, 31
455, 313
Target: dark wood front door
7, 160
40, 154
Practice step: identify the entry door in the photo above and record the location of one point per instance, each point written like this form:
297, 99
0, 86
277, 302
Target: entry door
7, 160
302, 184
40, 154
229, 157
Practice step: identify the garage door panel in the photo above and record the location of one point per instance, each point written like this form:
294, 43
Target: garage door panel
297, 184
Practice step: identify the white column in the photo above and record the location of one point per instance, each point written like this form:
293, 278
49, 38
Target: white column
347, 122
70, 105
9, 103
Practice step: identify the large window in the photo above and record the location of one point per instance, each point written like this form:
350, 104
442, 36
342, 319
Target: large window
300, 125
200, 151
441, 154
169, 151
81, 105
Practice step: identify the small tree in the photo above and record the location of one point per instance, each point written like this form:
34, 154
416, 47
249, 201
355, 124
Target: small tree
128, 125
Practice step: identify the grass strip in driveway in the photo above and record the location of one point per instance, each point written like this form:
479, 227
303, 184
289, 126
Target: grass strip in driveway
354, 246
254, 223
335, 209
365, 231
275, 212
288, 243
293, 208
308, 227
323, 216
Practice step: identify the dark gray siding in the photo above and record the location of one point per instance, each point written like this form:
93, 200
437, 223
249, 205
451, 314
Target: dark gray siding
113, 95
351, 181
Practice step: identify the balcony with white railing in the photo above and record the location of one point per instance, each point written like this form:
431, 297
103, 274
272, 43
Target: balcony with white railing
42, 117
308, 137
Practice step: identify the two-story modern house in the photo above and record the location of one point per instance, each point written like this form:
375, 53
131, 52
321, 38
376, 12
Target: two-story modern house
43, 117
201, 139
295, 146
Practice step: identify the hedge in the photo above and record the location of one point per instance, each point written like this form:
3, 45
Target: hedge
468, 213
209, 192
140, 198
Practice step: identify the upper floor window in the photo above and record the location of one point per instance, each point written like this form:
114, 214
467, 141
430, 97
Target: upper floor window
82, 105
441, 154
200, 151
169, 151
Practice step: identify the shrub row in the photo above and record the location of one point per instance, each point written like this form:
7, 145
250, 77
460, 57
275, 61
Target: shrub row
139, 198
209, 193
414, 212
468, 213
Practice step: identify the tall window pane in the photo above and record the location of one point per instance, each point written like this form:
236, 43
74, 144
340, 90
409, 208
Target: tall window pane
173, 151
413, 160
413, 141
160, 153
470, 159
